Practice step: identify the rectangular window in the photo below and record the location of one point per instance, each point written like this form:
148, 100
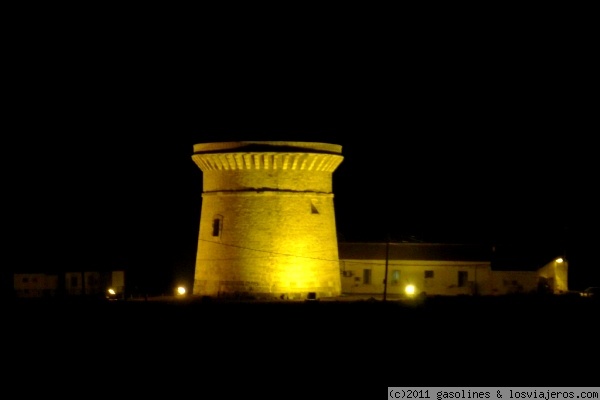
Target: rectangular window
367, 276
313, 207
462, 278
217, 225
395, 277
428, 274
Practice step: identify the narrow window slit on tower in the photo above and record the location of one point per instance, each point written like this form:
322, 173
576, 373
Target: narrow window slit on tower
313, 207
216, 227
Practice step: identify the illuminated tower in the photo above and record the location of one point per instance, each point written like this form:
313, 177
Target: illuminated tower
267, 225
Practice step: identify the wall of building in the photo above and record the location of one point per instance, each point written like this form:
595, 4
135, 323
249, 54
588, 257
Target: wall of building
88, 282
116, 281
35, 285
514, 282
428, 277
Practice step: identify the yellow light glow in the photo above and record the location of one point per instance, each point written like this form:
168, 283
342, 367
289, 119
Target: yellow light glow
410, 290
111, 291
559, 260
300, 271
181, 290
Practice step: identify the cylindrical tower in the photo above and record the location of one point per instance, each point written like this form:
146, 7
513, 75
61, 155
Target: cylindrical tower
267, 224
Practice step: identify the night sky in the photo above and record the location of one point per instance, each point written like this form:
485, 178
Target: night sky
440, 144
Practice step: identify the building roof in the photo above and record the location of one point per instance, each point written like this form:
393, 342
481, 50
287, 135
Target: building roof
267, 146
527, 257
414, 251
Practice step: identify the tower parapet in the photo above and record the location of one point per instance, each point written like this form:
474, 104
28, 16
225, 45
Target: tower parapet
267, 226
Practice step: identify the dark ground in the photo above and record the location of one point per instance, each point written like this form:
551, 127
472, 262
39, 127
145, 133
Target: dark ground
322, 349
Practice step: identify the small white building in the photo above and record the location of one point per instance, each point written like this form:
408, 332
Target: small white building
78, 283
439, 269
92, 283
35, 285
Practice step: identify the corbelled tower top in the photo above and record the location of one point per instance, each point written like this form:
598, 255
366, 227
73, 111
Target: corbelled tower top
294, 166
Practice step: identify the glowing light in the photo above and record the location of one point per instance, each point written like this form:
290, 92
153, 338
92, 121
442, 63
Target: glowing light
181, 290
410, 290
111, 291
559, 260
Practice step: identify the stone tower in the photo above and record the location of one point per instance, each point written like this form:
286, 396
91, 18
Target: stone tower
267, 225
